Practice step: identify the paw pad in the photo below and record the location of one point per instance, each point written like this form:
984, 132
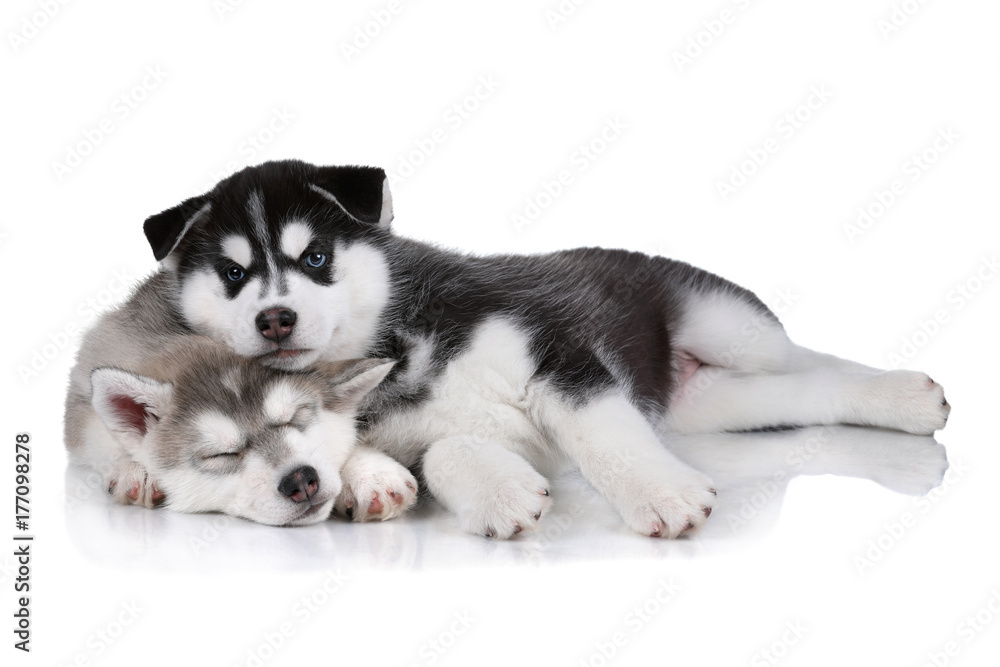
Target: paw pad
375, 506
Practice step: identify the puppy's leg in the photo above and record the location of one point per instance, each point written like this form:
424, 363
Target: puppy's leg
739, 371
716, 398
494, 491
376, 486
619, 453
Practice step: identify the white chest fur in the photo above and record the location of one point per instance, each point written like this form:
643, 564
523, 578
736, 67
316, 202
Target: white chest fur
486, 393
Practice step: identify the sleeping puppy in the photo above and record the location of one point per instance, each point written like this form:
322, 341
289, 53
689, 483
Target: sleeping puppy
194, 426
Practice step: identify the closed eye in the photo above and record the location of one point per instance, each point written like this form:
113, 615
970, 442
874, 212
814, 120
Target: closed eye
220, 463
299, 420
222, 456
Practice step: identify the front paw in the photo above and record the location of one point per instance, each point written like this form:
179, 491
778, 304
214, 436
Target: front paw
666, 502
507, 505
130, 484
380, 489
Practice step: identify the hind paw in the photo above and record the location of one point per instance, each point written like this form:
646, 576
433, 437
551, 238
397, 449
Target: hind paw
911, 402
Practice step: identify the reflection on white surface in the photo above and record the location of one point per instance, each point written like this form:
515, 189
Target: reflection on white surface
751, 472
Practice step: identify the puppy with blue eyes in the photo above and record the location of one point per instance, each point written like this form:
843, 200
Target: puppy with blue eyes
197, 428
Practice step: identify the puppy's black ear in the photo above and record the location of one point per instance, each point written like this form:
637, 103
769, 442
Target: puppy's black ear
165, 230
363, 192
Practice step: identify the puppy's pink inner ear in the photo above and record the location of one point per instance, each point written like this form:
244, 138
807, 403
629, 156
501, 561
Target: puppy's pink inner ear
131, 412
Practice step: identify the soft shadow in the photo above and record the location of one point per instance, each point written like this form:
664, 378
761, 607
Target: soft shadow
751, 472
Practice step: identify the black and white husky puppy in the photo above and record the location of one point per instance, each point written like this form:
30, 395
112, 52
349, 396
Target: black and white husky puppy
508, 367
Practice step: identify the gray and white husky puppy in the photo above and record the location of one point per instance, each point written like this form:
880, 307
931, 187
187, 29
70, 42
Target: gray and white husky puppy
183, 421
508, 368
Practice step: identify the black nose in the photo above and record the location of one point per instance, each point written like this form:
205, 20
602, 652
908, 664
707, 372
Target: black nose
300, 485
276, 323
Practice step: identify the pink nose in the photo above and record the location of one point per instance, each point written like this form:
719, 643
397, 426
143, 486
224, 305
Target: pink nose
300, 485
276, 324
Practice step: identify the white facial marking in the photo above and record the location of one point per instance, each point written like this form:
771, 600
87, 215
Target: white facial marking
206, 308
258, 224
295, 237
237, 249
255, 211
219, 430
281, 402
357, 299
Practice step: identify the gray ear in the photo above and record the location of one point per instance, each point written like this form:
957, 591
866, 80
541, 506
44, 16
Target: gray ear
350, 381
165, 230
362, 192
127, 403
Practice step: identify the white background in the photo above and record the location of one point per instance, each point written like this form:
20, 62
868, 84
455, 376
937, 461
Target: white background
273, 80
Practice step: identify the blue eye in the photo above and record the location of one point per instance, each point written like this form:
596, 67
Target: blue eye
315, 260
235, 274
